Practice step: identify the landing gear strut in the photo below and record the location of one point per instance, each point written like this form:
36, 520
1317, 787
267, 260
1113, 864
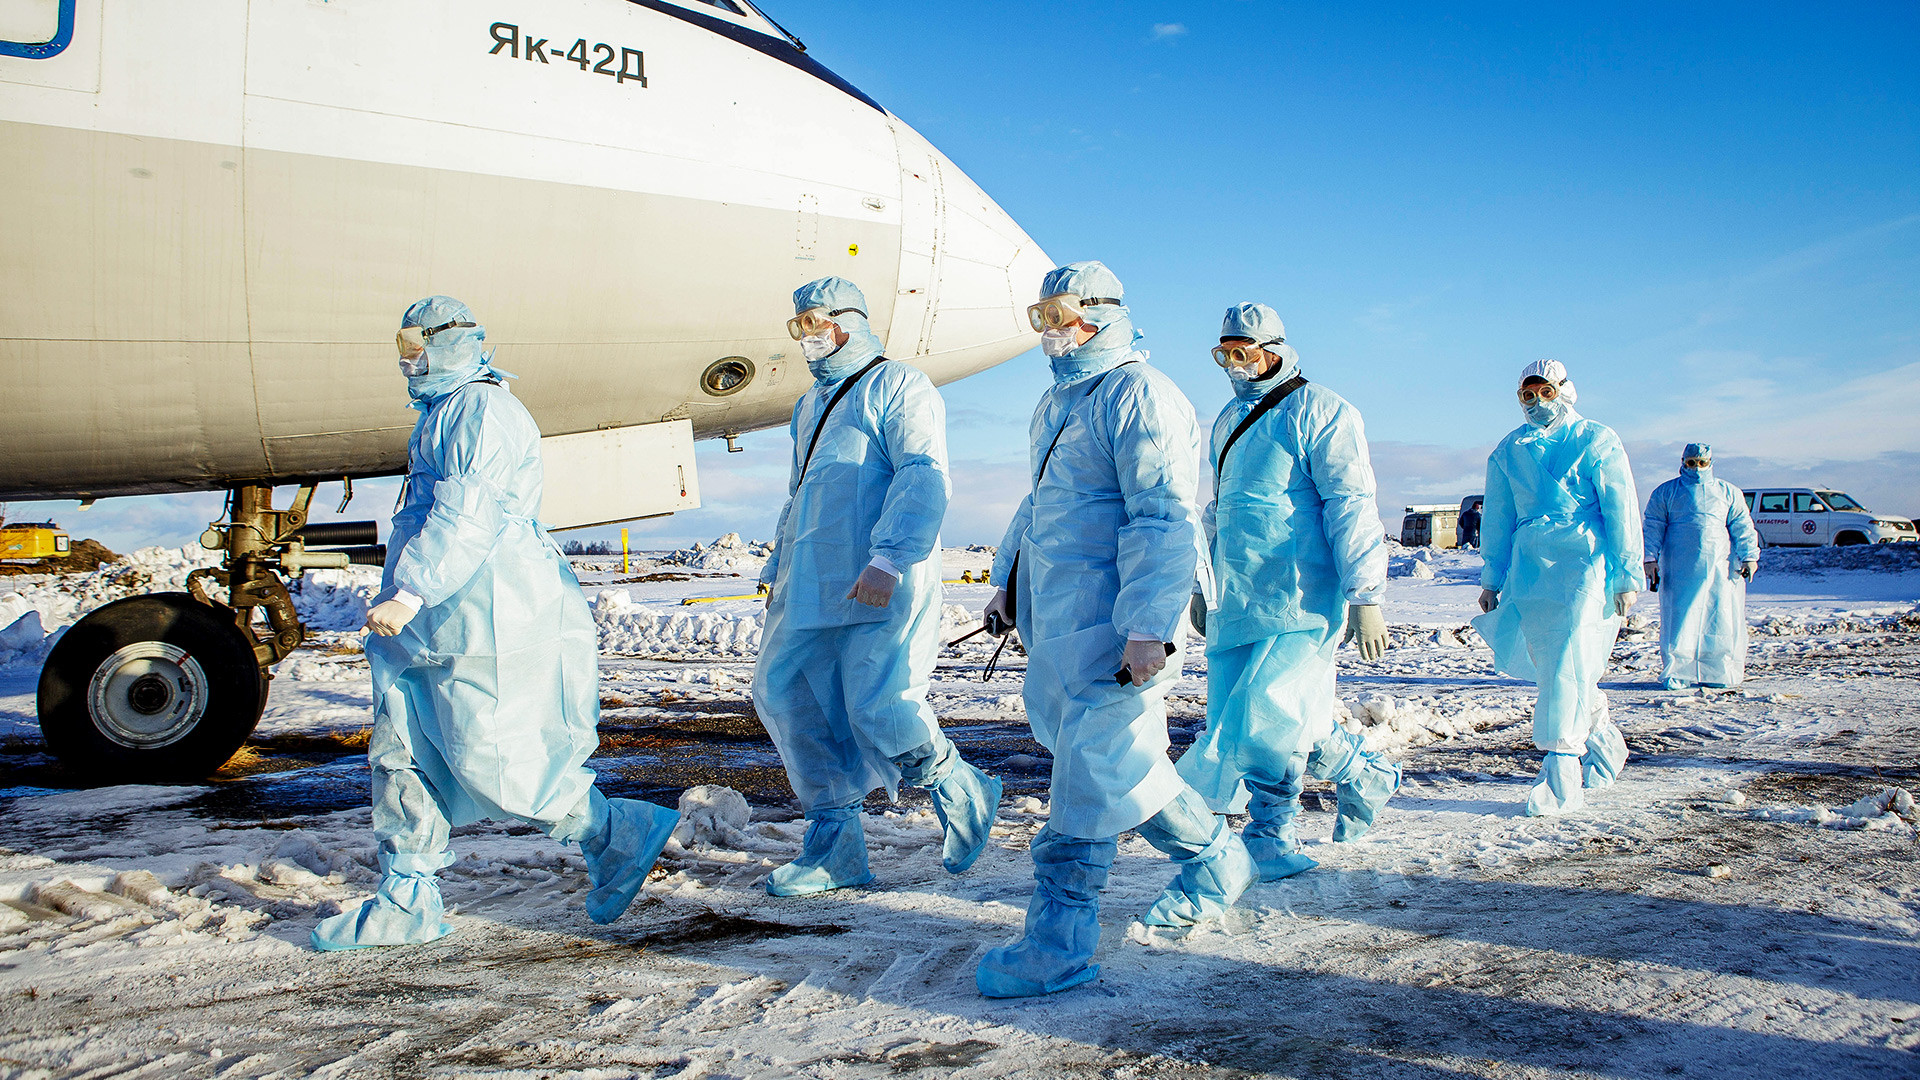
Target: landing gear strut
165, 687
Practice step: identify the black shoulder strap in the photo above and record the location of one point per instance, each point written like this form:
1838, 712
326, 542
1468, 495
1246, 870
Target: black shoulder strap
1048, 456
828, 411
1274, 397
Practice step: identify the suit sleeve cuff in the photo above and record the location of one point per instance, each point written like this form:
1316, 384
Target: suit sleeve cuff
410, 599
881, 564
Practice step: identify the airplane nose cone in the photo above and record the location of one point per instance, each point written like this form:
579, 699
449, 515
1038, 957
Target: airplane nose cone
967, 270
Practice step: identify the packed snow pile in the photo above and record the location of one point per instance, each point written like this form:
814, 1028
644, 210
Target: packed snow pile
1389, 722
710, 815
1817, 562
1407, 562
1882, 621
335, 599
727, 554
1891, 808
627, 627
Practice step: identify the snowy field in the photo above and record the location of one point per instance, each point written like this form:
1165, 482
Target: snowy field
1744, 903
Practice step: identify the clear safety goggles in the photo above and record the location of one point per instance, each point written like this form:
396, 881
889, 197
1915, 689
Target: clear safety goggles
413, 339
1061, 311
816, 321
1237, 355
1538, 392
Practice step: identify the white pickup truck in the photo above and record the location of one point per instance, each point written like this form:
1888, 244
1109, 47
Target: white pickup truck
1812, 517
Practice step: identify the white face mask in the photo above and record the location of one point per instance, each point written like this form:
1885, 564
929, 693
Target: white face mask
1244, 374
413, 366
1058, 343
818, 346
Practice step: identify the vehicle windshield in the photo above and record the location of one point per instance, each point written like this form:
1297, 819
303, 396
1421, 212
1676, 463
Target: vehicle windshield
1841, 501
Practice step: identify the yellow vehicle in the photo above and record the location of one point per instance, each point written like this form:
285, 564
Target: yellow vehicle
32, 541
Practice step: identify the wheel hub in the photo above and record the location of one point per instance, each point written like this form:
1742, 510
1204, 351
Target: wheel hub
147, 695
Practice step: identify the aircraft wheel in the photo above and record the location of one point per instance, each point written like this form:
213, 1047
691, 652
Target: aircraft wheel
156, 688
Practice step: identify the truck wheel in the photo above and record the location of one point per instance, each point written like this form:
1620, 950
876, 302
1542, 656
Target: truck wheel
157, 688
1848, 539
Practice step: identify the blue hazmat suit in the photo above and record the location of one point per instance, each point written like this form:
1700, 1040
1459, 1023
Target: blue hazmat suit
1699, 530
1560, 538
842, 686
1295, 538
1109, 544
486, 704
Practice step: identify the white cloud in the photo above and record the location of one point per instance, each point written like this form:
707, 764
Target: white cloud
1789, 414
1166, 31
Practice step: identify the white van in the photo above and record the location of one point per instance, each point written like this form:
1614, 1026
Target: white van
1812, 517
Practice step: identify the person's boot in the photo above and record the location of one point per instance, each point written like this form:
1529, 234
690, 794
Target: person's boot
833, 855
1056, 950
965, 800
1270, 833
406, 910
1557, 790
1606, 751
1215, 867
1363, 780
624, 843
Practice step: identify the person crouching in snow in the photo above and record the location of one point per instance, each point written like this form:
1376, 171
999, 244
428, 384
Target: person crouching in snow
1561, 544
486, 700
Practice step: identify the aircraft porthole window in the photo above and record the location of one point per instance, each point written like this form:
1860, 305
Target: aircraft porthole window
727, 375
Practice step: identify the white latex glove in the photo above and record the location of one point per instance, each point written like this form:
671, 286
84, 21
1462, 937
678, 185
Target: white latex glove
389, 618
1624, 601
1143, 660
1489, 600
1749, 568
1367, 629
998, 605
874, 587
1652, 567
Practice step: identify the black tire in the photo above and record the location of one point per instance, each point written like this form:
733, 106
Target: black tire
1848, 539
175, 683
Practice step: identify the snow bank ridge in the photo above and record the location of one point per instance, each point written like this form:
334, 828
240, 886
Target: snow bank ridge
626, 627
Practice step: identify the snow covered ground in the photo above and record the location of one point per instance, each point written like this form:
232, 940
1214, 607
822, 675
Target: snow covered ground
1744, 903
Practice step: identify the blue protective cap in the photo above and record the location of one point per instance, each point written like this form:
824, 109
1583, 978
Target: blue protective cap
1088, 281
832, 293
1697, 450
1256, 321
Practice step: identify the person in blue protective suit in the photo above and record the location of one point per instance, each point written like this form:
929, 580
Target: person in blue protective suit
1701, 550
486, 700
1298, 555
1561, 547
1098, 563
853, 609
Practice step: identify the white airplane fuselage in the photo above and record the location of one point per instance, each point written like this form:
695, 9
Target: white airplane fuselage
215, 211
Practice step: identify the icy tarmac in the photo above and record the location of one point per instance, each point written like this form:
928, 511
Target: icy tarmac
1744, 903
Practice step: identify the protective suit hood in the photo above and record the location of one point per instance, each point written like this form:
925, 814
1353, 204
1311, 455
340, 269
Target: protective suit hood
454, 356
863, 345
1113, 345
1696, 475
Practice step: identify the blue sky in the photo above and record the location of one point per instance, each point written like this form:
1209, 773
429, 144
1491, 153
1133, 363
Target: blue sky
1711, 214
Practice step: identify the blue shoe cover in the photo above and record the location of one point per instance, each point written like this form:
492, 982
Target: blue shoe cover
406, 910
1063, 922
1674, 684
1207, 885
621, 853
1557, 791
1276, 860
1363, 781
1606, 753
833, 856
966, 803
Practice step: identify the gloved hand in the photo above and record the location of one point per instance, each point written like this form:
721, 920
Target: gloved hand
1197, 614
1623, 601
389, 617
998, 607
765, 589
874, 587
1144, 659
1367, 629
1652, 567
1749, 568
1489, 600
